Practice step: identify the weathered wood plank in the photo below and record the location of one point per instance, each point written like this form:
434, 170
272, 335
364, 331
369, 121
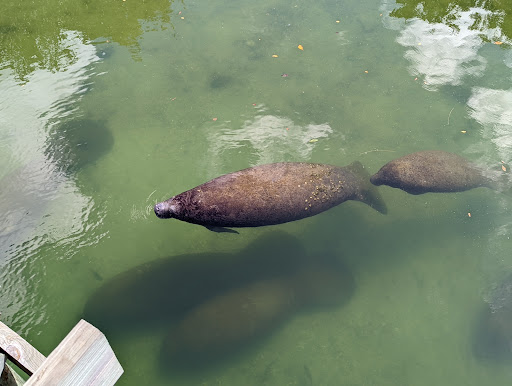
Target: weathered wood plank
19, 351
84, 357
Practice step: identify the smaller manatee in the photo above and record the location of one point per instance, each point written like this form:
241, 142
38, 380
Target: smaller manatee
230, 321
431, 171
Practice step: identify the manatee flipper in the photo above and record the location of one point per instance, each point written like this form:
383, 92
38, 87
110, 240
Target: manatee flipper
368, 193
220, 229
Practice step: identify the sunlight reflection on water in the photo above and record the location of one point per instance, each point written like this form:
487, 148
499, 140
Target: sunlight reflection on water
41, 205
270, 138
38, 199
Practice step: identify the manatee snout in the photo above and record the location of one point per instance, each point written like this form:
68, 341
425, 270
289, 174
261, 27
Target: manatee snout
385, 176
160, 210
376, 180
165, 209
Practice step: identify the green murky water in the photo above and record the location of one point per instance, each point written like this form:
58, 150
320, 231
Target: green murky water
109, 107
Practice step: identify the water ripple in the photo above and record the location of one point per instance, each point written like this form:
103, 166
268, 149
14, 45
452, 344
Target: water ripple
43, 214
271, 138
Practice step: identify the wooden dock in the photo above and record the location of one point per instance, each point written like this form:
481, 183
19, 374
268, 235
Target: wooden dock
84, 357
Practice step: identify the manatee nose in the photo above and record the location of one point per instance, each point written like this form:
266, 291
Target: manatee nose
376, 180
160, 209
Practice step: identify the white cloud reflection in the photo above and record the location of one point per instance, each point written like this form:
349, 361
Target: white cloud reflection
445, 53
39, 203
271, 138
493, 110
441, 54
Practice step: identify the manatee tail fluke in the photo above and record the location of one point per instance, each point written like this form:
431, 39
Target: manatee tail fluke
368, 193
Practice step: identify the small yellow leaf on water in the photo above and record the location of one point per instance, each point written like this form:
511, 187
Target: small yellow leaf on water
300, 47
313, 140
366, 71
274, 56
503, 168
463, 131
337, 21
182, 18
498, 43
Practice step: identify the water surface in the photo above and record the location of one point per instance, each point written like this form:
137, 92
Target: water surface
108, 108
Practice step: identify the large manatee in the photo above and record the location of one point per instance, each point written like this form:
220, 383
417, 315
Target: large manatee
431, 171
271, 194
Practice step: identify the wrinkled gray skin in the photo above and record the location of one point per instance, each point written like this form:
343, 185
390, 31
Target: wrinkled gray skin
271, 194
430, 171
493, 336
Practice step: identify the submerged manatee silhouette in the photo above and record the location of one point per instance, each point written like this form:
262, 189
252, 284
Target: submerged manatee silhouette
230, 321
163, 290
493, 336
430, 171
271, 194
